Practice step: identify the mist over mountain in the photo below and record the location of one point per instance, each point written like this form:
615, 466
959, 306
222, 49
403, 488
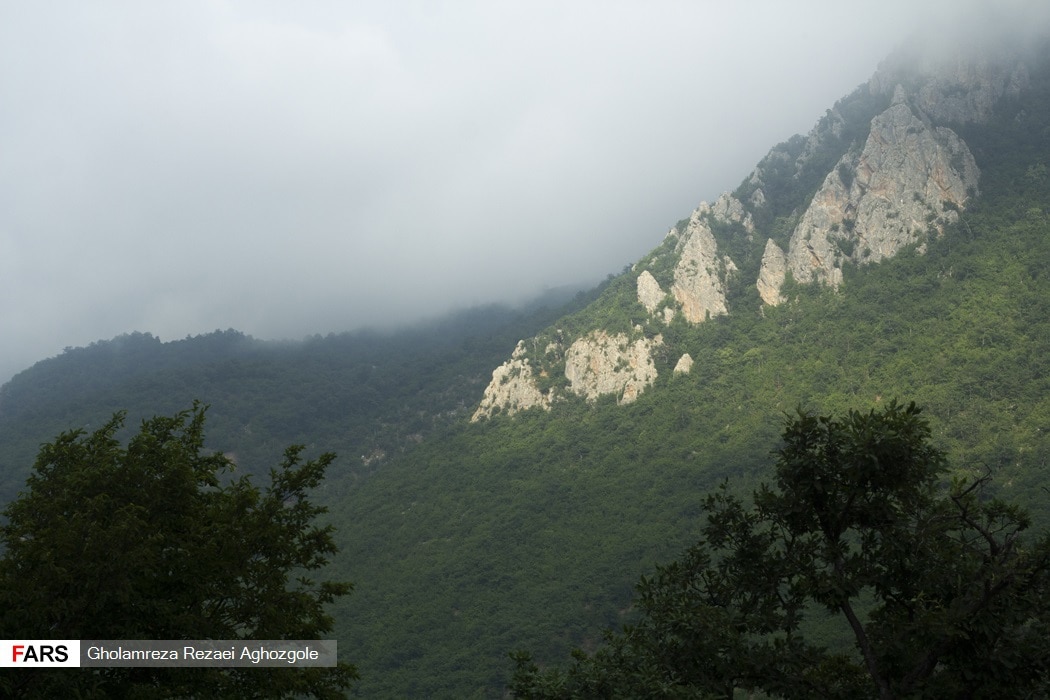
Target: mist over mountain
176, 168
505, 475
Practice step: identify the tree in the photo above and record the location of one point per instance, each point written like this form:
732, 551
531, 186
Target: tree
156, 540
933, 581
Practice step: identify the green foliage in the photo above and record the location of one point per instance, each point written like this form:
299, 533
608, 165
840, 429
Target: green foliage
513, 531
368, 395
154, 541
846, 246
942, 594
661, 261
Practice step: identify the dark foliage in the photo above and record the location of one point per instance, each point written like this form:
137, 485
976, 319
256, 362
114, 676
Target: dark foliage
150, 541
942, 594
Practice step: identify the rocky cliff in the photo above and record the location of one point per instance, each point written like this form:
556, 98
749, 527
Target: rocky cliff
882, 171
600, 363
594, 365
908, 180
702, 274
513, 387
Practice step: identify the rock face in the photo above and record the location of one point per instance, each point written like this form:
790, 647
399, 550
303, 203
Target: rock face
772, 273
702, 274
595, 365
684, 364
600, 363
965, 92
795, 156
650, 294
512, 389
909, 178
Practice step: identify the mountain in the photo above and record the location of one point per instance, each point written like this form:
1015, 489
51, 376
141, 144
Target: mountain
537, 465
897, 250
368, 395
885, 170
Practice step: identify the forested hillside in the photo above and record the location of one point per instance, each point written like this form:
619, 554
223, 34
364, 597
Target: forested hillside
528, 528
530, 531
367, 395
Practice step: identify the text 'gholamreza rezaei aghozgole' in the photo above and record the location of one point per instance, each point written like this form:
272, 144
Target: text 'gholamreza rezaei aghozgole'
221, 653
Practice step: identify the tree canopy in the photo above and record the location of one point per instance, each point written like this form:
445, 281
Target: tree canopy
930, 576
156, 540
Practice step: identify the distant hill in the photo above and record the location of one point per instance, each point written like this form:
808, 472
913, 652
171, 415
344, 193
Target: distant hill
506, 477
368, 395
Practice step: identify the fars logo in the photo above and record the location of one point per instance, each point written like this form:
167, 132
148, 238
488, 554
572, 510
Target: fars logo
37, 653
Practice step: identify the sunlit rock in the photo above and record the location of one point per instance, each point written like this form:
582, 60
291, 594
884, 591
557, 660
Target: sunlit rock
512, 389
600, 364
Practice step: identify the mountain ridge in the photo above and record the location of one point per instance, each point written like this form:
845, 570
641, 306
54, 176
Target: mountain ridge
898, 175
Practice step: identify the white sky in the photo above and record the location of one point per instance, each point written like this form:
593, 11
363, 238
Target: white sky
289, 168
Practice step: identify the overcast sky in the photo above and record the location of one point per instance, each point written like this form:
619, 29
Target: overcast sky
290, 168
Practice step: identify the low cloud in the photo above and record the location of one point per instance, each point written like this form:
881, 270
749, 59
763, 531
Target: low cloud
292, 168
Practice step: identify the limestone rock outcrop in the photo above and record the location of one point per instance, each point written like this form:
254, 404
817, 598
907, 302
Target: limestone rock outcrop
513, 388
795, 156
650, 294
910, 177
595, 365
600, 364
684, 364
702, 274
956, 88
772, 274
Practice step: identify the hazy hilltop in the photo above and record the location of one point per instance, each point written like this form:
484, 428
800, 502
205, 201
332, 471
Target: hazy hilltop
368, 395
503, 482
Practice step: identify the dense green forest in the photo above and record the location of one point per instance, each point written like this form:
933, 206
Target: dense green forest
466, 542
367, 395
